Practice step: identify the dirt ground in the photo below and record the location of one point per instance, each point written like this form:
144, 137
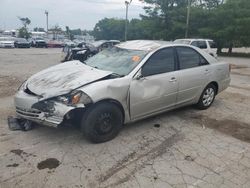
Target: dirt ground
182, 148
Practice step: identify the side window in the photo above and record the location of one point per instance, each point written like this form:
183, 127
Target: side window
202, 44
105, 45
203, 61
212, 44
195, 43
189, 58
160, 62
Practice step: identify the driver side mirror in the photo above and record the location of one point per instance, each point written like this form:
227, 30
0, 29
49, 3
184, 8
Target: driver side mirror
139, 77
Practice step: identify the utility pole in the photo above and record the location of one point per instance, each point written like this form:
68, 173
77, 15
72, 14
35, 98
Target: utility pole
126, 21
47, 20
188, 18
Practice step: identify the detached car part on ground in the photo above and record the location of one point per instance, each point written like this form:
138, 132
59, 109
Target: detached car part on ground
123, 84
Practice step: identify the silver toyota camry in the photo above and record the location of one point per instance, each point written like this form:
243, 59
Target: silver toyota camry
123, 84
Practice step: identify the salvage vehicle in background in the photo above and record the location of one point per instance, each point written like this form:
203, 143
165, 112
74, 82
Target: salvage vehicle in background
123, 84
81, 52
84, 50
21, 43
7, 42
207, 45
103, 44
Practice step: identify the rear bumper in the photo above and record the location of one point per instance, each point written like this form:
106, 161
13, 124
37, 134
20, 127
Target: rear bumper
224, 84
8, 46
40, 44
23, 45
50, 116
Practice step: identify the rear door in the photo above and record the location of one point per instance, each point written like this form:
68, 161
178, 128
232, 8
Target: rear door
194, 72
157, 89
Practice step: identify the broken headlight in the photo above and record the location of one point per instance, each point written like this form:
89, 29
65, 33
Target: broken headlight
76, 97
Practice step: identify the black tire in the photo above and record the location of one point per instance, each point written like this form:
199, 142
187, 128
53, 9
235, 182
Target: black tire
205, 102
102, 122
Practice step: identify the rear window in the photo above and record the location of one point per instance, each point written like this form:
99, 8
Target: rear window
200, 44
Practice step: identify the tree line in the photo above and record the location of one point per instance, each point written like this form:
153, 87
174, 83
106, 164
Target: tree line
225, 21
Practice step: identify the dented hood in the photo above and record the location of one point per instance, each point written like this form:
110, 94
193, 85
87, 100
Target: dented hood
63, 78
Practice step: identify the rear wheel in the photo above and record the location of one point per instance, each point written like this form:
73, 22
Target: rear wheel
102, 122
207, 97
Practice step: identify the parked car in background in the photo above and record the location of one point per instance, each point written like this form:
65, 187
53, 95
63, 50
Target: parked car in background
54, 44
21, 43
207, 45
38, 42
7, 42
123, 84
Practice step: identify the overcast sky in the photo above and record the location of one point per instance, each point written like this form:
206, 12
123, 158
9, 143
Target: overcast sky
82, 14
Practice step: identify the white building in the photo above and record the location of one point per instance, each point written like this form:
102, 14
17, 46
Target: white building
35, 34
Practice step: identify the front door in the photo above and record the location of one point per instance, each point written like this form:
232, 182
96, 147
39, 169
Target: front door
157, 88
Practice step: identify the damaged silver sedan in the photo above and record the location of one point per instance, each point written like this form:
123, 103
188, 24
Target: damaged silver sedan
123, 84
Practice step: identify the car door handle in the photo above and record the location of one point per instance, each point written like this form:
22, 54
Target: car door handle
173, 79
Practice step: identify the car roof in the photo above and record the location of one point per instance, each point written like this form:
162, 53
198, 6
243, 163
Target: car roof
113, 41
192, 39
143, 45
98, 43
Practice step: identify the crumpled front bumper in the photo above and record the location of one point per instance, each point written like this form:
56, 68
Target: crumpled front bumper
25, 103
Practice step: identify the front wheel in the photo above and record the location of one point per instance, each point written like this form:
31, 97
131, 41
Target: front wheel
207, 97
102, 122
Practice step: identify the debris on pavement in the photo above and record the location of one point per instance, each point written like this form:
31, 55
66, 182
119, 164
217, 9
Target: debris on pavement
189, 158
15, 124
157, 125
49, 163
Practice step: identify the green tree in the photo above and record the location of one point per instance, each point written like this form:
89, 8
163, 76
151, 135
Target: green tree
229, 24
25, 21
225, 21
69, 34
55, 31
169, 17
23, 31
109, 28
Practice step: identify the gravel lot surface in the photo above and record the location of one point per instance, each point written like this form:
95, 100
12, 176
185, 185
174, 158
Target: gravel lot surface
182, 148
